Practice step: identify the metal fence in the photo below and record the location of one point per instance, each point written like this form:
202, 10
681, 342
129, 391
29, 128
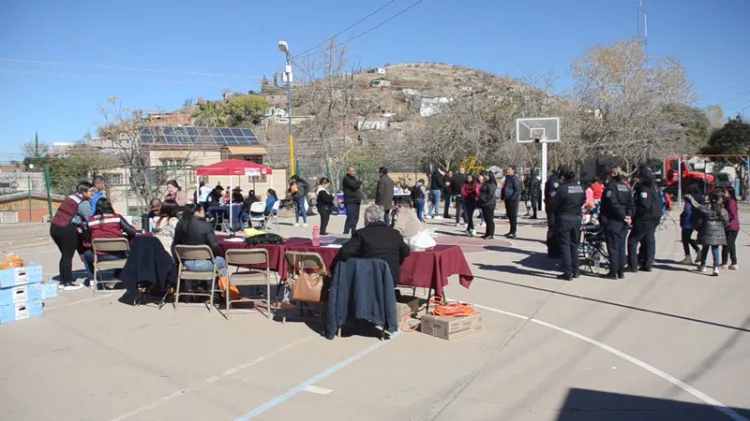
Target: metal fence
25, 197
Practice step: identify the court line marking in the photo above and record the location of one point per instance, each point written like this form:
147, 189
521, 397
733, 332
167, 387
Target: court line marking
229, 372
311, 381
317, 390
85, 300
729, 412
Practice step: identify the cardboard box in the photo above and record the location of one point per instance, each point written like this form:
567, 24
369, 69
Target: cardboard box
19, 311
450, 328
21, 276
20, 294
404, 305
49, 289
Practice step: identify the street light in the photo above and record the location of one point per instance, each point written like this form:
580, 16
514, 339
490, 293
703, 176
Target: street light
284, 48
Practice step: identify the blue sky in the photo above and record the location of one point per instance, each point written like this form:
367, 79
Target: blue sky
112, 45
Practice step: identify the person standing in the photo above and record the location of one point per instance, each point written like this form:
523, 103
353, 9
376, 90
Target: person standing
324, 203
384, 193
99, 187
598, 189
711, 231
298, 188
512, 197
645, 221
437, 185
71, 216
457, 185
733, 229
566, 203
352, 199
174, 192
616, 206
687, 223
535, 194
447, 195
470, 196
418, 193
203, 192
487, 202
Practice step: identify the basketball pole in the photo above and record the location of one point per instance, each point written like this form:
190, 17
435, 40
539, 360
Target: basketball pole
544, 172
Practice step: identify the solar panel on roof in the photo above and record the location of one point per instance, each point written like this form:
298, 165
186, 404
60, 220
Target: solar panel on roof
147, 138
191, 131
236, 132
171, 140
191, 135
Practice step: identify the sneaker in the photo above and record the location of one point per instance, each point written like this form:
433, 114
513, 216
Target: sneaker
72, 287
473, 232
701, 268
304, 225
296, 224
437, 217
734, 267
687, 260
697, 260
458, 225
716, 272
724, 266
469, 233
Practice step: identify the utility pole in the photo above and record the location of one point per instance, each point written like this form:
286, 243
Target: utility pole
642, 25
284, 47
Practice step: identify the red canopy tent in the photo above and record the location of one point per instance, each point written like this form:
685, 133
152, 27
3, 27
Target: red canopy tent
235, 167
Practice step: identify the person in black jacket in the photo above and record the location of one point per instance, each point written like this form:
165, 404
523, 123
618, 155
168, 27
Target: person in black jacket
437, 185
457, 185
645, 221
194, 230
534, 189
377, 241
566, 203
487, 202
616, 206
447, 194
512, 197
352, 199
324, 204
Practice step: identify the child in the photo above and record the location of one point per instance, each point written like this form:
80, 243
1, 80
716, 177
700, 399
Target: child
713, 221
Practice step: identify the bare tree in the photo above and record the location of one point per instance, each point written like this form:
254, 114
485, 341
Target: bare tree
622, 98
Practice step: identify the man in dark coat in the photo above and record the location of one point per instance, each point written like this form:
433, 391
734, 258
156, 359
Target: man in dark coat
377, 241
645, 221
535, 194
384, 193
512, 199
352, 199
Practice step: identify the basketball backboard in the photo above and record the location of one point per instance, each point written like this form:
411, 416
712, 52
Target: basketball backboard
538, 130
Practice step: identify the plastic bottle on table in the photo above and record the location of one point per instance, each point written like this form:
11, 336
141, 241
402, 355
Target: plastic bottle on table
316, 236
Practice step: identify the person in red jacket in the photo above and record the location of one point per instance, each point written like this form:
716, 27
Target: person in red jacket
470, 193
106, 224
69, 218
598, 188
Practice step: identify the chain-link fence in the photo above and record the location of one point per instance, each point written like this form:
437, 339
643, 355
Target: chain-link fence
26, 197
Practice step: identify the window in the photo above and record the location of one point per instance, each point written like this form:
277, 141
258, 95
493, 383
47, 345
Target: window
258, 159
173, 162
224, 154
113, 179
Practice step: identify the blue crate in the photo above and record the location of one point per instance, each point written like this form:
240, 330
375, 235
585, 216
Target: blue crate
21, 276
20, 294
49, 289
12, 312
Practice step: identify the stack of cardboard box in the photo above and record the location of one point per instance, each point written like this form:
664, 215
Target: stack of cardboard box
22, 293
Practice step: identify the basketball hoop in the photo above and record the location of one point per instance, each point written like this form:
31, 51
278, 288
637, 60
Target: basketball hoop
536, 140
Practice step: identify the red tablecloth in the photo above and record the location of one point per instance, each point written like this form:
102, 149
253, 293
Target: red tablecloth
432, 268
275, 254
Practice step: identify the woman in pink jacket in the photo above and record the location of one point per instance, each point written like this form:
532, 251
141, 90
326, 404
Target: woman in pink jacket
470, 193
732, 230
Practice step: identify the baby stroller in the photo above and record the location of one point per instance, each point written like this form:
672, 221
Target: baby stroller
592, 253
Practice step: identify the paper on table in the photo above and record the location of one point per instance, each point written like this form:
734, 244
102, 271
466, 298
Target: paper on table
235, 240
333, 246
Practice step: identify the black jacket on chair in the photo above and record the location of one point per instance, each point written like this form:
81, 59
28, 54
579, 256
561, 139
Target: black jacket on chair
377, 241
196, 231
148, 262
365, 288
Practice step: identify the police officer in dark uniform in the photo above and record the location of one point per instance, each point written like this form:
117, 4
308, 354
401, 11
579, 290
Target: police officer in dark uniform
646, 219
566, 203
616, 205
553, 240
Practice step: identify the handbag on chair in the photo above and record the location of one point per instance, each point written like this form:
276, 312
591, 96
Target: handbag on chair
307, 287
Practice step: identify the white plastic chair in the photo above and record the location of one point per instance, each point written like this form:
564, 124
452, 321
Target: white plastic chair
256, 214
274, 216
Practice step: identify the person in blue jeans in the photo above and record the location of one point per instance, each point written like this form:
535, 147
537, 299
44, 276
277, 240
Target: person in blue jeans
418, 194
437, 185
298, 188
194, 230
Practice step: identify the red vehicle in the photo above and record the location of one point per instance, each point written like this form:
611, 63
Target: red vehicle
705, 182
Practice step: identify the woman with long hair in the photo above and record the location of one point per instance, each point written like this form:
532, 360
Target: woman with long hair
711, 231
470, 194
298, 189
174, 192
487, 202
270, 201
687, 223
165, 223
732, 230
324, 203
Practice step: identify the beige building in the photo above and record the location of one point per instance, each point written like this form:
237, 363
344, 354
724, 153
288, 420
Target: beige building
175, 153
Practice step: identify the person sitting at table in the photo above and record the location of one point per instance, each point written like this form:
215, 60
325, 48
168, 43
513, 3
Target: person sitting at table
270, 201
246, 205
377, 241
174, 192
194, 230
106, 224
166, 222
407, 222
398, 189
237, 197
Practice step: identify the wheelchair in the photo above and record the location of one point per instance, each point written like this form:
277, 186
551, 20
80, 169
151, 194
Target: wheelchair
592, 253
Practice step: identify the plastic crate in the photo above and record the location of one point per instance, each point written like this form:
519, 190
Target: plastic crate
49, 289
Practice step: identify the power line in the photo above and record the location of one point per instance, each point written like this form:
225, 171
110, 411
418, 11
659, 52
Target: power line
127, 69
349, 27
119, 78
361, 34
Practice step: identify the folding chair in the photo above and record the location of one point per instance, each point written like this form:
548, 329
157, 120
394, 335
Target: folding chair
248, 277
302, 261
256, 214
107, 246
234, 213
274, 216
185, 253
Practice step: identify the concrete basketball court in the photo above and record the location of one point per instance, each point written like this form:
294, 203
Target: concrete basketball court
667, 345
